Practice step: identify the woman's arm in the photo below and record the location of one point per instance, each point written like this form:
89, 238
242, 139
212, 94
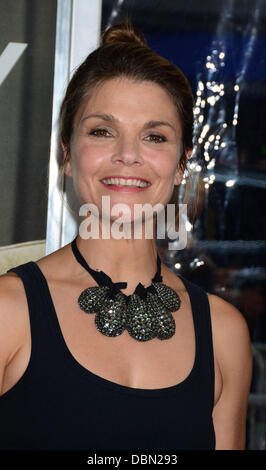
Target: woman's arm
232, 350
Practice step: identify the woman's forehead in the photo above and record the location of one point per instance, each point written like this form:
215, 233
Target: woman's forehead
124, 96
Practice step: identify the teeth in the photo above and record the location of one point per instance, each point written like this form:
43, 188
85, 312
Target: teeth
125, 182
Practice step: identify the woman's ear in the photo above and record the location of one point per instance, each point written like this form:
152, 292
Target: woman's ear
180, 171
67, 167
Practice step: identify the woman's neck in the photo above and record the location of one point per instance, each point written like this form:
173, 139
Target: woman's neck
124, 260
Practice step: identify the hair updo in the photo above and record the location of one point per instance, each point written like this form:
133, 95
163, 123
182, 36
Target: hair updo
123, 32
124, 53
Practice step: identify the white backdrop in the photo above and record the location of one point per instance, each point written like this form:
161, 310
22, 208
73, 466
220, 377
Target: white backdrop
77, 34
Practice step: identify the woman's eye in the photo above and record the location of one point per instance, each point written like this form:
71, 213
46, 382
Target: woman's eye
99, 132
157, 139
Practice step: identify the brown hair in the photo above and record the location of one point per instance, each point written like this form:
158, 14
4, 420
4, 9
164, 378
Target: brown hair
124, 53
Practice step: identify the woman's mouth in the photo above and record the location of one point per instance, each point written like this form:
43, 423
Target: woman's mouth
126, 184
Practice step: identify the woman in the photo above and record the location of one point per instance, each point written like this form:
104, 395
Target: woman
123, 365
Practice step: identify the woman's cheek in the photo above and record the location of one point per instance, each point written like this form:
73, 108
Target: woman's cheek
165, 165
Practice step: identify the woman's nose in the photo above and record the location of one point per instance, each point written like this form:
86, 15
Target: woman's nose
127, 152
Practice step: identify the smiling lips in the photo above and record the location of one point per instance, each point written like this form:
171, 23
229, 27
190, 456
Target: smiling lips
126, 183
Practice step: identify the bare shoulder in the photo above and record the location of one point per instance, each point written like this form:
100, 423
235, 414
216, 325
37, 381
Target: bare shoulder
227, 319
15, 328
12, 292
14, 321
231, 336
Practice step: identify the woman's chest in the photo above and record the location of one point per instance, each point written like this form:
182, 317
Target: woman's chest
122, 359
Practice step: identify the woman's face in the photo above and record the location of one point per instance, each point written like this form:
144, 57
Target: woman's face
126, 129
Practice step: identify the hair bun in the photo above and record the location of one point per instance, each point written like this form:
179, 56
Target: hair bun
123, 32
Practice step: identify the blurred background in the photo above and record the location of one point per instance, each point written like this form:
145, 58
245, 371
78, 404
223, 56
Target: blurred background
221, 47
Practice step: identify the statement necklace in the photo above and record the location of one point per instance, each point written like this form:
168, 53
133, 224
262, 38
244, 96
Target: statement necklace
145, 314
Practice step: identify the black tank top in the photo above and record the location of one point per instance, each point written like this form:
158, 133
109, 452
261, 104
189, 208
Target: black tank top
58, 404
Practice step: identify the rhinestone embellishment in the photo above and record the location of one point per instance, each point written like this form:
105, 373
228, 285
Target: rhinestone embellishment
141, 321
144, 319
145, 314
91, 299
111, 320
168, 296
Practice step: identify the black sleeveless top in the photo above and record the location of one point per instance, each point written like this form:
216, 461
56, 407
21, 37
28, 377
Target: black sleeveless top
58, 404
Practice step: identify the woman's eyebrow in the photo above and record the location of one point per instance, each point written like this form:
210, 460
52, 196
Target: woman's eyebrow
104, 117
159, 123
111, 118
